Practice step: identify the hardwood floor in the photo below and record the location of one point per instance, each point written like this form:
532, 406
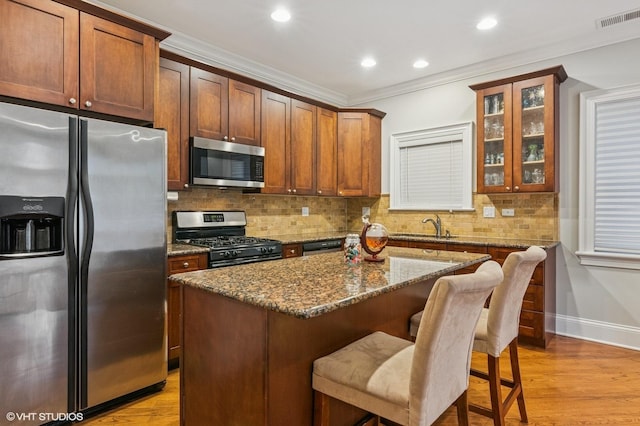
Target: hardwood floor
572, 382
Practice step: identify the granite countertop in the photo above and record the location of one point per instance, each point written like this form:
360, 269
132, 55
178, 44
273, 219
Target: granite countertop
178, 249
310, 237
479, 241
310, 286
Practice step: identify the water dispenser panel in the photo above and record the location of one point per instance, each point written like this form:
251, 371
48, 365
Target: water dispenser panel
31, 226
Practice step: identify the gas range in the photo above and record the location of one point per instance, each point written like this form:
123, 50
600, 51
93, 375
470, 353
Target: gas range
224, 233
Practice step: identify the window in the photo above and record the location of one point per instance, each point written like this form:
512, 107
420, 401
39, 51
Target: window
431, 169
609, 209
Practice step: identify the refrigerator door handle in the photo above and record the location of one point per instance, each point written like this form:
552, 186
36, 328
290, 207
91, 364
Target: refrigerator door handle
85, 193
72, 259
87, 229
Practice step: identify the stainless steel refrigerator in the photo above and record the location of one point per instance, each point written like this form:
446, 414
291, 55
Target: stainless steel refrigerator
82, 262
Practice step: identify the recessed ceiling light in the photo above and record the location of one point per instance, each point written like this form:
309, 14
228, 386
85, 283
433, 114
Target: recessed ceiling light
368, 62
487, 24
281, 15
420, 63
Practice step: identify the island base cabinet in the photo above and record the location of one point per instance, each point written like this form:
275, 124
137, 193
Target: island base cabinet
242, 364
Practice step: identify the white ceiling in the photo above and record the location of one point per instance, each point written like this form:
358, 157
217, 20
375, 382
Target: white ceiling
318, 52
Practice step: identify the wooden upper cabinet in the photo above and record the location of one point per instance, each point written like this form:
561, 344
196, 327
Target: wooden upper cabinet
224, 109
326, 152
209, 105
172, 113
276, 140
244, 113
518, 133
56, 54
289, 138
39, 51
303, 148
359, 150
118, 68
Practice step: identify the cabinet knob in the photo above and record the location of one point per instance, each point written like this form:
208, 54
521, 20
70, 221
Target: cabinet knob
186, 185
233, 139
292, 251
72, 101
319, 191
226, 138
289, 190
294, 191
508, 188
88, 104
185, 265
517, 188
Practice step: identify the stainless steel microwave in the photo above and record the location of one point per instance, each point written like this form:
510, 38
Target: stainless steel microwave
225, 164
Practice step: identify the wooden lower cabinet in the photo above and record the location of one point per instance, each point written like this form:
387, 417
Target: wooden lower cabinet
177, 264
537, 319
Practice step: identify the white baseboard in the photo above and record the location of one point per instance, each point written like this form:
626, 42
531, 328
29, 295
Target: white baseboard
598, 331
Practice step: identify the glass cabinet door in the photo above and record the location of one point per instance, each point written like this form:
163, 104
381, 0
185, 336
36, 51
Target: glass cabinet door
494, 134
533, 131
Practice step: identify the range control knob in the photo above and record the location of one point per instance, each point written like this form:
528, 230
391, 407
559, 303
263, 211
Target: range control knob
226, 254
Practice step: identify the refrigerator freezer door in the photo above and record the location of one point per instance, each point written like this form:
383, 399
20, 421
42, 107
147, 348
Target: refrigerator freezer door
124, 287
34, 294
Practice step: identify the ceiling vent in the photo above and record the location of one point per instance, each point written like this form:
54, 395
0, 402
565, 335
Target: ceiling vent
618, 19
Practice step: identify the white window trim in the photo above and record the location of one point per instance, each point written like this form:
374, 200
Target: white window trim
586, 219
460, 131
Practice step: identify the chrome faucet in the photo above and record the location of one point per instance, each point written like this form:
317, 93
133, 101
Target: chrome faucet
436, 224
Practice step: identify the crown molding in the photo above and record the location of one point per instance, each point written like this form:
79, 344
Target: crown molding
491, 67
197, 50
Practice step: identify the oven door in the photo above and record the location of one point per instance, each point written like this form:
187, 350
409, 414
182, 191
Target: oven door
226, 164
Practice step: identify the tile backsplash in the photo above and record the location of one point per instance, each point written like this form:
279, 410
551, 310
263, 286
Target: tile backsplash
535, 215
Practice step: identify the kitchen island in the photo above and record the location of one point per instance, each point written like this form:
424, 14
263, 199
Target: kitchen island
250, 332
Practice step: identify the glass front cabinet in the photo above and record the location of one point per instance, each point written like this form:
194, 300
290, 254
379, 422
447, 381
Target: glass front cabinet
517, 133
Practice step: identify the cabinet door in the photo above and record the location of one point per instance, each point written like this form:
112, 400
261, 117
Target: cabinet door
534, 135
209, 115
177, 264
31, 68
276, 136
118, 69
172, 113
244, 113
303, 148
326, 152
353, 164
494, 140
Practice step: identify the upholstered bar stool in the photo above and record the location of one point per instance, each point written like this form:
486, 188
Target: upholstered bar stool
407, 383
498, 328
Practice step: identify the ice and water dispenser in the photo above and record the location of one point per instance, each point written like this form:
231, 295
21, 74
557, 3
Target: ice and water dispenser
31, 226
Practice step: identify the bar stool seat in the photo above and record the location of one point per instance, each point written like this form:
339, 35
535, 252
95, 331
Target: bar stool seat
409, 383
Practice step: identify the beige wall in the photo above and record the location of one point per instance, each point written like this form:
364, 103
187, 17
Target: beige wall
272, 215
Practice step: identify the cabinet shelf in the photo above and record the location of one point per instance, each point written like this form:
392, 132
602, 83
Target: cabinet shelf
488, 166
533, 108
494, 140
530, 163
533, 136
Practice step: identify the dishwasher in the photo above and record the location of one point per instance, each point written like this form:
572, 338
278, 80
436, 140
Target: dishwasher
320, 247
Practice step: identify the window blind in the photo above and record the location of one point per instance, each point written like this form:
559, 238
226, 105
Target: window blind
431, 174
617, 177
